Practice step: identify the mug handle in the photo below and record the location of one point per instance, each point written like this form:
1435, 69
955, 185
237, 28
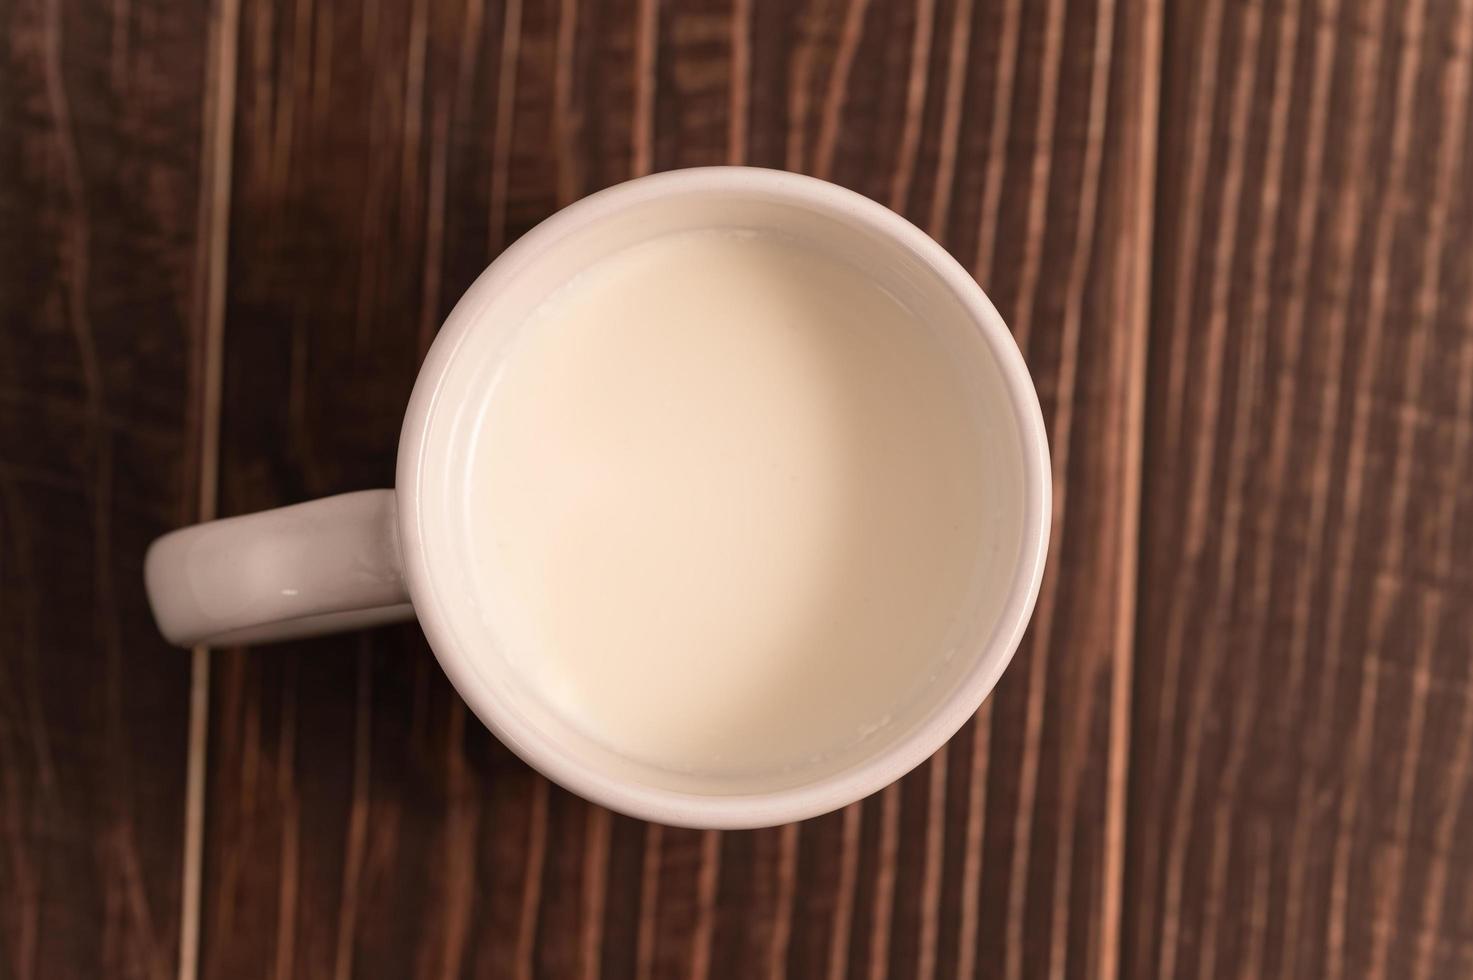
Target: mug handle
320, 567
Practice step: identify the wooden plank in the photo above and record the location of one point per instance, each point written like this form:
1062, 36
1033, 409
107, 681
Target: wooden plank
1300, 798
99, 452
380, 161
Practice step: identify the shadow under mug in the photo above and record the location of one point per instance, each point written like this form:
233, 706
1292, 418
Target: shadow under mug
379, 556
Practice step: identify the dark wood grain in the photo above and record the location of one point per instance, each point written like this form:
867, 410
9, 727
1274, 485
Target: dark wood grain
99, 451
1233, 241
1300, 802
379, 164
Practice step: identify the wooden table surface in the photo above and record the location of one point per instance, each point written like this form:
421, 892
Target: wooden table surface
1233, 239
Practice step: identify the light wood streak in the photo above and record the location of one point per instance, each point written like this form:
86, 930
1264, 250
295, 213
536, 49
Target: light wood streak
649, 900
646, 51
23, 884
1238, 478
1457, 778
1295, 316
738, 107
1153, 923
1079, 723
915, 105
850, 35
526, 948
370, 227
260, 74
194, 813
1043, 617
288, 95
237, 715
322, 65
1201, 481
1198, 146
997, 138
1391, 862
1278, 452
465, 71
1135, 308
966, 957
785, 874
1279, 441
1451, 803
801, 78
1040, 172
1344, 236
1354, 481
595, 890
288, 860
708, 881
434, 233
951, 119
118, 55
564, 119
460, 846
214, 240
1252, 962
413, 121
469, 56
211, 264
882, 918
935, 842
357, 835
506, 103
844, 892
1391, 868
1250, 381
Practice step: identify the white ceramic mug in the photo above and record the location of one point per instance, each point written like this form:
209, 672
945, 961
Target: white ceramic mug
379, 556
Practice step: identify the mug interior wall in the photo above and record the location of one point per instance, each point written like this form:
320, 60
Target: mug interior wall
525, 277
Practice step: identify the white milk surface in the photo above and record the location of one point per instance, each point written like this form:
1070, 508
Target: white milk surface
727, 495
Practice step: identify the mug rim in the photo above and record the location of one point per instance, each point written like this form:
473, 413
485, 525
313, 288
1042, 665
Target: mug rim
833, 790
